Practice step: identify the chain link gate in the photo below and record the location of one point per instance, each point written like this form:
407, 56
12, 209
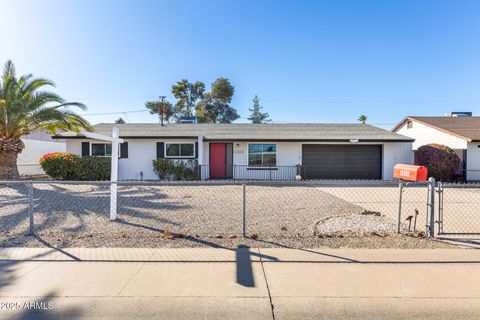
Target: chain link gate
458, 208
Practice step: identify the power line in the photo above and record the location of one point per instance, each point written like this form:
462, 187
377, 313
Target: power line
370, 101
111, 98
280, 100
109, 113
242, 118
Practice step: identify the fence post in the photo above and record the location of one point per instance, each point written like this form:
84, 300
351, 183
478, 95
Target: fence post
431, 207
30, 209
114, 175
244, 211
399, 220
440, 207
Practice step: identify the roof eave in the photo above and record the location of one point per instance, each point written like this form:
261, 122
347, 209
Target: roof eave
306, 140
245, 139
431, 126
398, 125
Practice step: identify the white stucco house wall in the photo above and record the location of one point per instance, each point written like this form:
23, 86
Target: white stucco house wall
459, 133
36, 145
249, 151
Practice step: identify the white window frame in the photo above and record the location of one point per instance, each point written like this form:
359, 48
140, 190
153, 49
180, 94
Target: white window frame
179, 156
105, 144
262, 166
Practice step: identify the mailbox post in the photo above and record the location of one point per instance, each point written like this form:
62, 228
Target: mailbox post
407, 172
399, 219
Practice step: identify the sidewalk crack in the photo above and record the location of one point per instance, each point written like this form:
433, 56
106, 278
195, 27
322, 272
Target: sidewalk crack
266, 283
135, 274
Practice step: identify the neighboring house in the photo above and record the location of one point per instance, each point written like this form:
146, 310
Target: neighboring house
36, 145
254, 151
461, 133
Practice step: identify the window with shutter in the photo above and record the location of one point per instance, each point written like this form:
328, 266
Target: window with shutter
85, 149
124, 150
160, 150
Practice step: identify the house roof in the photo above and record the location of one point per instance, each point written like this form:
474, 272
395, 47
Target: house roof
249, 132
467, 128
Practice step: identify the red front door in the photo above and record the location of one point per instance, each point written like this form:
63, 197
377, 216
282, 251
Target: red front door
218, 160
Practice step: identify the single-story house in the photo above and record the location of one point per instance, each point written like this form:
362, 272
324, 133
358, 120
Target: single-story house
253, 151
461, 133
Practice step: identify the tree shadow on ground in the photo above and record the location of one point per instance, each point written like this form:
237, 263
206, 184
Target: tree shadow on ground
81, 205
9, 268
13, 206
7, 272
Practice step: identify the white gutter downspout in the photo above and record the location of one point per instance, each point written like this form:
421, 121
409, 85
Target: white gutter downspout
200, 156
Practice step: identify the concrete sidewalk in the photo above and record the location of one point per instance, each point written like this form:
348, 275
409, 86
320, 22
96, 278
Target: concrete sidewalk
242, 283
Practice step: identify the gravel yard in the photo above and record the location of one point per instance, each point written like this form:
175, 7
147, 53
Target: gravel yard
356, 225
196, 215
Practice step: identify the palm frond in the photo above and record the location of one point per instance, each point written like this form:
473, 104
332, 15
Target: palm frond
42, 98
72, 104
8, 70
24, 109
31, 85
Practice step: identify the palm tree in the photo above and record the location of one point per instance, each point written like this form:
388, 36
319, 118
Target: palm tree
25, 108
362, 118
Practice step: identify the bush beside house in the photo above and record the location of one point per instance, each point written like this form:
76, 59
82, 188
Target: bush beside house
67, 166
441, 161
59, 165
92, 168
181, 170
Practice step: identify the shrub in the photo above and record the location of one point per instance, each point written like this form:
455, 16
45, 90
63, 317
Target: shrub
163, 168
191, 172
179, 170
93, 168
67, 166
59, 165
441, 161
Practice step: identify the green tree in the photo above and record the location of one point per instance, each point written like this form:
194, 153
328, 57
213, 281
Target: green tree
256, 115
187, 95
363, 118
25, 108
163, 108
215, 105
120, 121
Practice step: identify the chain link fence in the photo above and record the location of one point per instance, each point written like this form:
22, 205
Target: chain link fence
188, 209
458, 208
294, 209
202, 209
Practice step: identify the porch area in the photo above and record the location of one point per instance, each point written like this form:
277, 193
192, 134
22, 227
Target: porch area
225, 160
245, 172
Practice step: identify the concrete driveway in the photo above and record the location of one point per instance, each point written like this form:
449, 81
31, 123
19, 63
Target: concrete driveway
119, 283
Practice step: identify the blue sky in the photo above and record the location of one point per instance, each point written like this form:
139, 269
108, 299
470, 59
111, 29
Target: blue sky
309, 61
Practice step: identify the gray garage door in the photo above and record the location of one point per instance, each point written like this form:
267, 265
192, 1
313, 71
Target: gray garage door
342, 161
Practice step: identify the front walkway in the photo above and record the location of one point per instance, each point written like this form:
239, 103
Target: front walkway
79, 283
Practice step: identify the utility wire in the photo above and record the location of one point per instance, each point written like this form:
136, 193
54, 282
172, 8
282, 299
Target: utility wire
280, 100
242, 118
108, 113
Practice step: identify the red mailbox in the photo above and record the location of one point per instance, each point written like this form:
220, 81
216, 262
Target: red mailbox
410, 172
